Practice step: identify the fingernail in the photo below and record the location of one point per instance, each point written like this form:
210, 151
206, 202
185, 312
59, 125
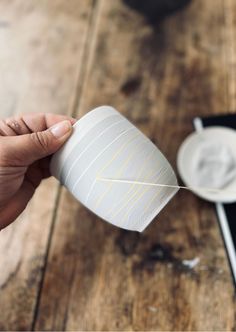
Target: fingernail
61, 129
73, 121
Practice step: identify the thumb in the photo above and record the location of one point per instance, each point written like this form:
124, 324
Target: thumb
23, 150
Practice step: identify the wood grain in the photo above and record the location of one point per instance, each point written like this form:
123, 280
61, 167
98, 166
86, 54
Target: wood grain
230, 51
62, 268
101, 278
42, 45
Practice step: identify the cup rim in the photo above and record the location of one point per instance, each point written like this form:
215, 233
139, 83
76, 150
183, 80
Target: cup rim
61, 155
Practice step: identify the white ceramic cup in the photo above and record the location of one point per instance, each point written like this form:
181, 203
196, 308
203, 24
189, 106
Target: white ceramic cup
105, 144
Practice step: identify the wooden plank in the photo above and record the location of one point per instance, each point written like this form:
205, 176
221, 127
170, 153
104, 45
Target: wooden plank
101, 278
42, 46
230, 51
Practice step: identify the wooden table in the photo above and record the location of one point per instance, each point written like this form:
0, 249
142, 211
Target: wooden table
61, 267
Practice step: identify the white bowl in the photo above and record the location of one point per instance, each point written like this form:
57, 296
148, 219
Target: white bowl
186, 154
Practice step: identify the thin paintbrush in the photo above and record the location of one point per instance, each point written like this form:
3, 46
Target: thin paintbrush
213, 190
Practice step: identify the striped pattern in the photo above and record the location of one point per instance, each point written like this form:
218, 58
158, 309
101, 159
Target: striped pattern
105, 144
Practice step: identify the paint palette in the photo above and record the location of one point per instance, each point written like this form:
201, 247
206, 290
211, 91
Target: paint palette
105, 144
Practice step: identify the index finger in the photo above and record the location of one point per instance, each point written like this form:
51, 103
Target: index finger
30, 122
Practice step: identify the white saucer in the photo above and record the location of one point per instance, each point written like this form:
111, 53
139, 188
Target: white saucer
186, 153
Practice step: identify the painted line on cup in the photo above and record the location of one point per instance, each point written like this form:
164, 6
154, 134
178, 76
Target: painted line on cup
87, 147
101, 152
132, 188
80, 131
158, 194
140, 193
109, 163
118, 173
140, 225
133, 196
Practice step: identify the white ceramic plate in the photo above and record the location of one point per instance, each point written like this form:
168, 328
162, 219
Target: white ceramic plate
186, 153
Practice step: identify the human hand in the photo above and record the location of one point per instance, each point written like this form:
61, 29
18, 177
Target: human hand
26, 143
